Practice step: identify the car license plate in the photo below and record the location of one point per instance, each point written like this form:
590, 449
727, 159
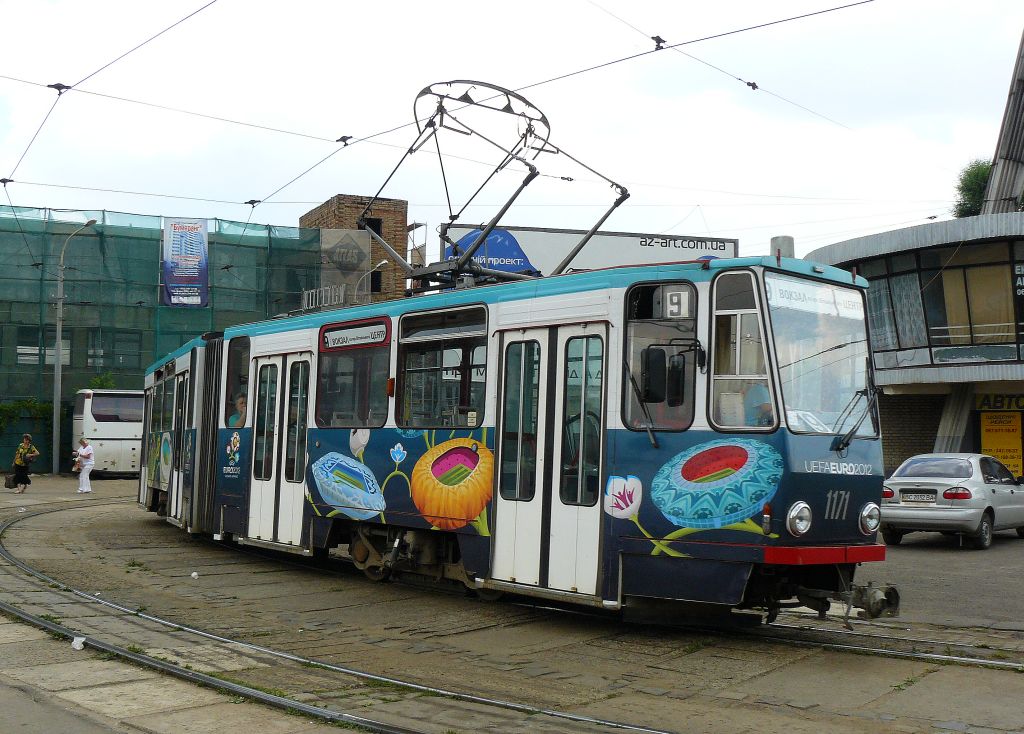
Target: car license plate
914, 497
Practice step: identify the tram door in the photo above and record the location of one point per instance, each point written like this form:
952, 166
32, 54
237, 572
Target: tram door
181, 409
548, 512
278, 487
292, 454
263, 488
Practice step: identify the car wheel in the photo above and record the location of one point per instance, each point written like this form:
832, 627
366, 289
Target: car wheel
1020, 532
983, 536
891, 536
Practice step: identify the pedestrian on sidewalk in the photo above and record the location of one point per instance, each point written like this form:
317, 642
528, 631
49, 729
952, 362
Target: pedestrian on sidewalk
24, 455
86, 461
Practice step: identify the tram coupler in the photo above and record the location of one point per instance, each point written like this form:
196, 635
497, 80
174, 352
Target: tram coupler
872, 601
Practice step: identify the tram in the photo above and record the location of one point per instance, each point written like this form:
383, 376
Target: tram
703, 433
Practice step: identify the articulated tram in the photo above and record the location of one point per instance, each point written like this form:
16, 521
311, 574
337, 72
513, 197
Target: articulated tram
700, 432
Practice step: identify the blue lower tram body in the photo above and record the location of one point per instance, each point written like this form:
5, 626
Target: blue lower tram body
701, 519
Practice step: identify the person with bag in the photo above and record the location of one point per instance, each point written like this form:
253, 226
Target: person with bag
85, 462
24, 455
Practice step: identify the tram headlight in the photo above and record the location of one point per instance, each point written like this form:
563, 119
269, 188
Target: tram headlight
870, 516
798, 519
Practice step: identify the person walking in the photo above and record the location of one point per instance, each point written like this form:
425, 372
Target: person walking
86, 461
24, 455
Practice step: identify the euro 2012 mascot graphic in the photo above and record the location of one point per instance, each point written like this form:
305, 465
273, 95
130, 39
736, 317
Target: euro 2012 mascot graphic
232, 448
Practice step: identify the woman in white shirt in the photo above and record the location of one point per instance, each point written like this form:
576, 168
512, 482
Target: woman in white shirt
86, 462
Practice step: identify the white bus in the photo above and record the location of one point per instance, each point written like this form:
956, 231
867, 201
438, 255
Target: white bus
112, 421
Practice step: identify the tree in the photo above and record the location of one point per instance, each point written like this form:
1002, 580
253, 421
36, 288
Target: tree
102, 380
970, 189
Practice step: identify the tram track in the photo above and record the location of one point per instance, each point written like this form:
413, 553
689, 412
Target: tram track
293, 651
185, 671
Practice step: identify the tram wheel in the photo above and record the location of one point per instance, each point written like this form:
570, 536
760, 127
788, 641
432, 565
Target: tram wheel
892, 537
488, 595
376, 573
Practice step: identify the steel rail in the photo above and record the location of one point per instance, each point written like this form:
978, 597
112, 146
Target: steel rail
362, 674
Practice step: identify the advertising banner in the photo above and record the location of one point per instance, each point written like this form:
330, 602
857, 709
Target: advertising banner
534, 249
1000, 437
185, 265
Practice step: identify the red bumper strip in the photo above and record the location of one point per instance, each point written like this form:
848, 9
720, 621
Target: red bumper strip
813, 555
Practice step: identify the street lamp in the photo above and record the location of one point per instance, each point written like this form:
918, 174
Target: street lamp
57, 349
365, 275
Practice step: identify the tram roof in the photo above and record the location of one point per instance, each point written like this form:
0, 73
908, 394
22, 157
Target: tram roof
588, 280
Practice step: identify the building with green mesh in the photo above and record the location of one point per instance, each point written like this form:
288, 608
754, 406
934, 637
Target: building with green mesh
114, 324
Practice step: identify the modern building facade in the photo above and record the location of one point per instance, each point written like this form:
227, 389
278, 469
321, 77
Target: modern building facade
946, 316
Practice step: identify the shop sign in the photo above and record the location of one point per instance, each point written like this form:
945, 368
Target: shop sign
998, 401
1000, 437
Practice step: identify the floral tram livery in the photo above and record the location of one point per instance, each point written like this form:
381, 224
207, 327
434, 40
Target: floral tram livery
702, 432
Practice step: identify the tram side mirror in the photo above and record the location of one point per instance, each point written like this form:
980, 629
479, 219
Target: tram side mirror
675, 382
652, 375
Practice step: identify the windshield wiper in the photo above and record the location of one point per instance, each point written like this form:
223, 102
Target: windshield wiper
841, 443
642, 404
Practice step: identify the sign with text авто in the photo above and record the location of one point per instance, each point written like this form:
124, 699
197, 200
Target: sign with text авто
185, 265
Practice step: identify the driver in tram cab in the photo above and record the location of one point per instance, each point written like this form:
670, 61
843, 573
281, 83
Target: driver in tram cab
757, 404
237, 419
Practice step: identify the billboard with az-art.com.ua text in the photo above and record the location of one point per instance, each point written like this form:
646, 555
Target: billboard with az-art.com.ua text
534, 249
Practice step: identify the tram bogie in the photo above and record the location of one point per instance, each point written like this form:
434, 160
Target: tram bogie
698, 434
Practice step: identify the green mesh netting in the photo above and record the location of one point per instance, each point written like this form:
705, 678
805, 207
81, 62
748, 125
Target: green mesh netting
113, 320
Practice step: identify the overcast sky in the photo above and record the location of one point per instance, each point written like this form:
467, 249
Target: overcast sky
860, 123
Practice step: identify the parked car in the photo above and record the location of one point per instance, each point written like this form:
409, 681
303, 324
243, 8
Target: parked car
967, 494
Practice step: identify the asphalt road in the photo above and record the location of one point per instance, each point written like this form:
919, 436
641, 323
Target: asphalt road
943, 580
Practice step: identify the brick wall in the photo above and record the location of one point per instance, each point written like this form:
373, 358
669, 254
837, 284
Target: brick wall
342, 211
909, 426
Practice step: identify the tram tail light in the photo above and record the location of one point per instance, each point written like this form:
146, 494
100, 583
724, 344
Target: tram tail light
957, 493
391, 387
887, 493
766, 519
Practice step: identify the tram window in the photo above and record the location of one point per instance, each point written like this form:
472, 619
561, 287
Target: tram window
661, 353
295, 437
266, 422
741, 394
520, 416
581, 421
352, 388
236, 392
168, 410
443, 369
734, 292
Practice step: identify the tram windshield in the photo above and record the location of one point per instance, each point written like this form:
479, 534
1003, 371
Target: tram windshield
822, 350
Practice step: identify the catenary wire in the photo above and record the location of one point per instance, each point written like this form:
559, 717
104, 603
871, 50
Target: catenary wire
585, 70
752, 85
137, 47
393, 129
61, 88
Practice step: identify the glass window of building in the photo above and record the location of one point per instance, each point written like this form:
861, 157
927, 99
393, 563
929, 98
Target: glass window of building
908, 310
991, 300
880, 316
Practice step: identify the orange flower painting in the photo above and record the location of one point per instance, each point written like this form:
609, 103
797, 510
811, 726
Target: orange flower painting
451, 483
